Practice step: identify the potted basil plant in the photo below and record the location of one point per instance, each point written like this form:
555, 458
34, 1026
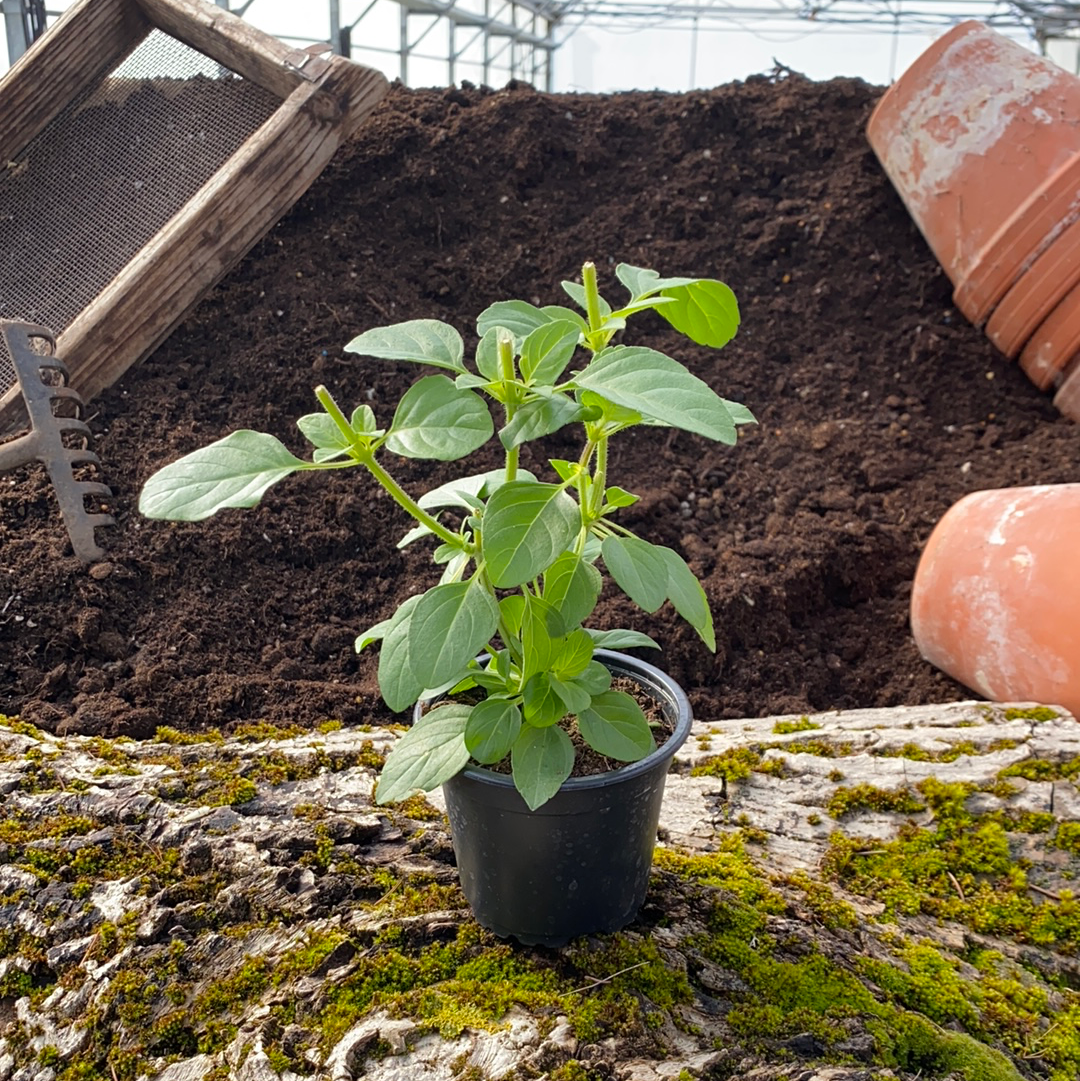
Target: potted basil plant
495, 659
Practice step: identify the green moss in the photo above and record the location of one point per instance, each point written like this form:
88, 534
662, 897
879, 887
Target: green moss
165, 734
960, 869
734, 764
263, 731
785, 728
730, 868
1041, 769
1067, 837
1033, 713
21, 728
868, 797
831, 910
822, 748
417, 808
334, 726
231, 994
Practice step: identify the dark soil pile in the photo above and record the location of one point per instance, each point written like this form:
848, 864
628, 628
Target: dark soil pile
879, 407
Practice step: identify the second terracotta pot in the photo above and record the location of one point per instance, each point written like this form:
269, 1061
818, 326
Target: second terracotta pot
996, 596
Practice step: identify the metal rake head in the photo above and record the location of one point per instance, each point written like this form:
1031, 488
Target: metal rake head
59, 440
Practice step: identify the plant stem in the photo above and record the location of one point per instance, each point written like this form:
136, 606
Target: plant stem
599, 477
508, 375
326, 400
592, 295
408, 504
364, 455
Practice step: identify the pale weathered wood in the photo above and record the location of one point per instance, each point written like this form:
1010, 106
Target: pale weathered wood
143, 304
88, 41
234, 43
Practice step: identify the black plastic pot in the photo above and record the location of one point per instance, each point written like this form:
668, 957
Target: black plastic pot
580, 863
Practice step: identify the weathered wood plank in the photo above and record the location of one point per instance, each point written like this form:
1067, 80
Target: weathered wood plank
146, 301
283, 867
88, 41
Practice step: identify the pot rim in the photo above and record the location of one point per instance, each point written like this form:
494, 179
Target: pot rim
684, 719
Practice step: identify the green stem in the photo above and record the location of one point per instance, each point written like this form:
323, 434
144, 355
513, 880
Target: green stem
326, 400
600, 477
408, 504
508, 376
366, 457
592, 295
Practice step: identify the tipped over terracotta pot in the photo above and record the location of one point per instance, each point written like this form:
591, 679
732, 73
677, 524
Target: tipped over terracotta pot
996, 599
981, 138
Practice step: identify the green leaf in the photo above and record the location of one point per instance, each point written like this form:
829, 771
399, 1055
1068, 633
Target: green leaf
574, 656
414, 534
640, 305
512, 609
573, 697
518, 316
610, 413
620, 639
468, 381
526, 526
487, 354
449, 626
641, 283
686, 593
557, 313
465, 491
639, 568
542, 706
538, 418
493, 727
423, 341
660, 389
372, 634
572, 587
705, 311
541, 759
565, 470
436, 420
619, 497
321, 432
547, 350
739, 413
233, 472
577, 294
363, 421
595, 679
398, 685
428, 754
615, 727
538, 645
455, 568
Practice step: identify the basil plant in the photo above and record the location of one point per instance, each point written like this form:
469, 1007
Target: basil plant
520, 555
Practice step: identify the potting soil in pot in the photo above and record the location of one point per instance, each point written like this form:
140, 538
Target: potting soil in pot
879, 407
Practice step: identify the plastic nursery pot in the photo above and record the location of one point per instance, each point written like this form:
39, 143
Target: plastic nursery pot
996, 595
981, 138
580, 863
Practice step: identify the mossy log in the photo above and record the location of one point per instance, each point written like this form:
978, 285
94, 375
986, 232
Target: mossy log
844, 897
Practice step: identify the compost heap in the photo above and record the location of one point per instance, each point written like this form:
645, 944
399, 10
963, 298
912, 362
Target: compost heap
878, 405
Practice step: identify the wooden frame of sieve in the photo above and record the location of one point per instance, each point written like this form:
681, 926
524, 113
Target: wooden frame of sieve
323, 100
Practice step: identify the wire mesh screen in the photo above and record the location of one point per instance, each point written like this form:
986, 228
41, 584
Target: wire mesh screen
80, 201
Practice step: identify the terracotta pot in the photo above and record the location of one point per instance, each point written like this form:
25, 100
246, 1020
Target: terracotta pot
997, 592
1067, 398
1036, 294
981, 138
1055, 342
